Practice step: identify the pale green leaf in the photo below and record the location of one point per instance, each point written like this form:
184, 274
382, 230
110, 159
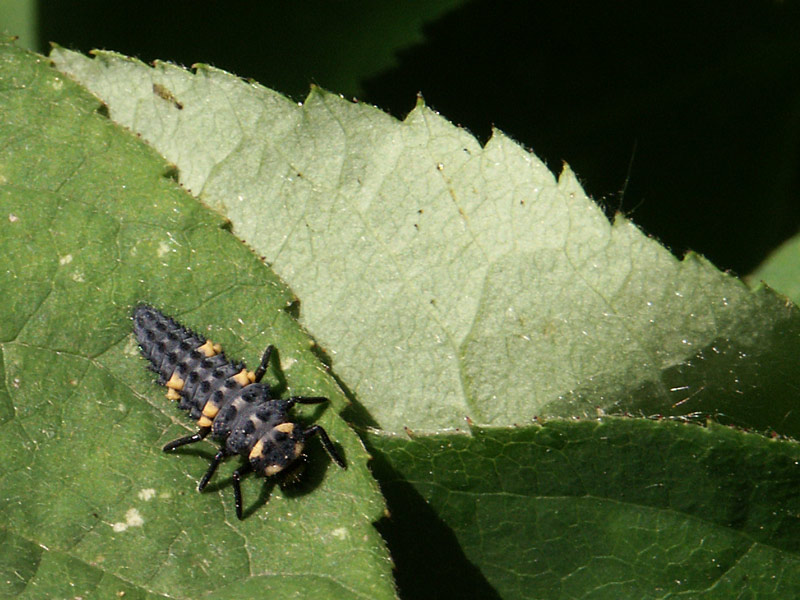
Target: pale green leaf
448, 280
781, 270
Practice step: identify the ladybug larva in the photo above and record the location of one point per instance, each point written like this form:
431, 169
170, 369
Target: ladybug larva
227, 400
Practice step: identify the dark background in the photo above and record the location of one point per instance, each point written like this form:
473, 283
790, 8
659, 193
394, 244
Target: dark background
683, 115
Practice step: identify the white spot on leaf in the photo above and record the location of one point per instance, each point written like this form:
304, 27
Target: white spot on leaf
132, 519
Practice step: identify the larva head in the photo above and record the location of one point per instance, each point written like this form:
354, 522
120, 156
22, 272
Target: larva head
277, 449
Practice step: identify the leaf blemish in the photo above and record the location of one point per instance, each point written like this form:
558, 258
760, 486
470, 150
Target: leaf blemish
132, 519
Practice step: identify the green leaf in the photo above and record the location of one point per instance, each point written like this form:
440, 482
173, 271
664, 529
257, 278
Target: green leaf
20, 18
618, 508
449, 280
781, 270
92, 223
366, 40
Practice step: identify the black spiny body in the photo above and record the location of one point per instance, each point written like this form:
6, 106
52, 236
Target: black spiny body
226, 399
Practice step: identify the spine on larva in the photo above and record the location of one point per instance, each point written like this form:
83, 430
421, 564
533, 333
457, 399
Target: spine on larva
163, 341
193, 369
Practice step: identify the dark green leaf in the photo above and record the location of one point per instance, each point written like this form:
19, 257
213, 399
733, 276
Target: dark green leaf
617, 508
